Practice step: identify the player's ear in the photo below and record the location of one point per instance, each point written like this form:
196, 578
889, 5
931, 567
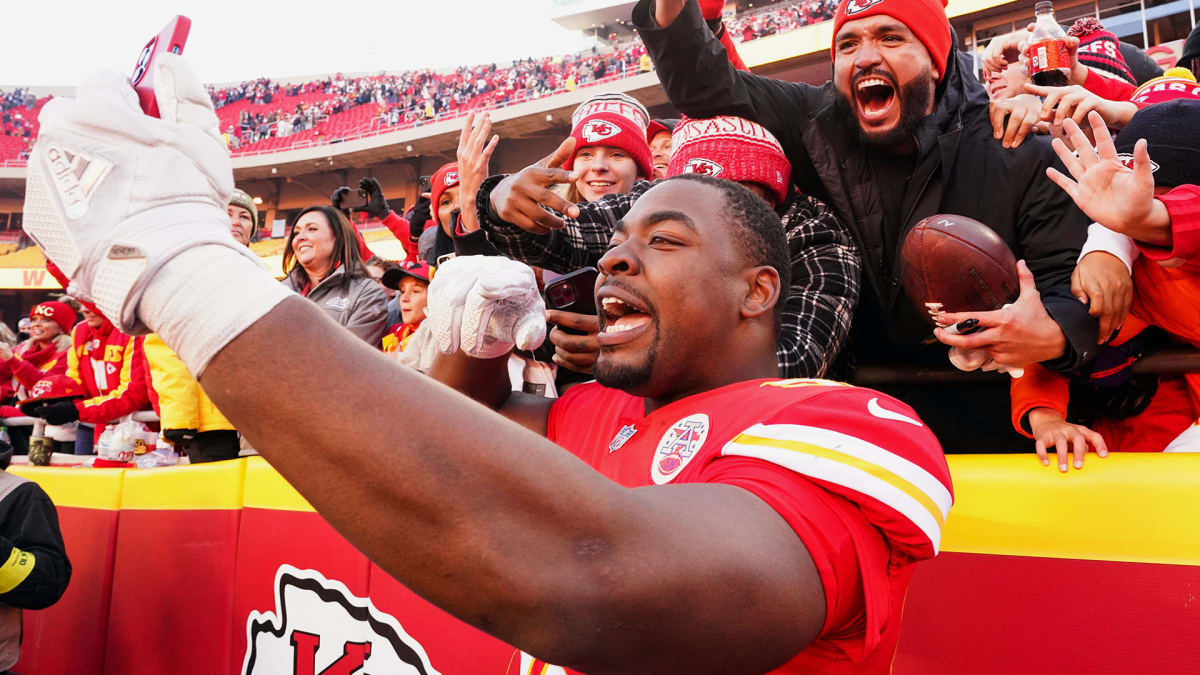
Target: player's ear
763, 291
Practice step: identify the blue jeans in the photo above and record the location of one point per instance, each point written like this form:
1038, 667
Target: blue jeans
83, 440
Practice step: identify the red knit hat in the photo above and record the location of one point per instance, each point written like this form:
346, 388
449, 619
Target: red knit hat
446, 177
1173, 84
732, 148
1099, 49
58, 312
612, 120
925, 18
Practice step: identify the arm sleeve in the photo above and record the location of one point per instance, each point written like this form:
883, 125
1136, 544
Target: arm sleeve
34, 568
1039, 387
175, 387
701, 82
129, 395
401, 230
1103, 240
579, 243
1111, 88
824, 289
1051, 232
73, 358
28, 374
368, 317
1183, 205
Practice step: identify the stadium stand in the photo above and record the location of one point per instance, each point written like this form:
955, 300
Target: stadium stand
263, 116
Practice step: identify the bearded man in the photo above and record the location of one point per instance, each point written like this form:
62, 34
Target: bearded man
900, 133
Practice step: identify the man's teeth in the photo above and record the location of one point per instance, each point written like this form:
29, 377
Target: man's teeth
616, 328
872, 82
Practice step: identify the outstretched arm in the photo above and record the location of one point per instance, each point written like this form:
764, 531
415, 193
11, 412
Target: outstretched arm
506, 530
484, 518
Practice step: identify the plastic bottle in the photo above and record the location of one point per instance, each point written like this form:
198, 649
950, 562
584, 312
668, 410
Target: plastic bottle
1049, 61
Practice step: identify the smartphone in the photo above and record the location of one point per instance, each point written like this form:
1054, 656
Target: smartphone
573, 292
172, 39
424, 184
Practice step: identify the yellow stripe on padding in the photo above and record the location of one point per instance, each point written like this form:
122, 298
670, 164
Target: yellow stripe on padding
1129, 507
77, 487
16, 569
266, 489
209, 486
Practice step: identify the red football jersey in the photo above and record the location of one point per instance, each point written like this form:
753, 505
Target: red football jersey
857, 475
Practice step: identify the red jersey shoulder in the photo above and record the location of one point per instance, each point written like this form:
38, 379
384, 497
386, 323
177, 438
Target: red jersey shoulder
864, 446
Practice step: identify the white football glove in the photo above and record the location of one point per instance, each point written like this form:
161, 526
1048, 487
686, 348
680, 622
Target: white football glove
114, 194
485, 305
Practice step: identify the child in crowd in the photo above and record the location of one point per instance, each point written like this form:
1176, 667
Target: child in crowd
410, 280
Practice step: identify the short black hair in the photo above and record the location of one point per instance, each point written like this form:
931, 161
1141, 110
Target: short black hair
759, 230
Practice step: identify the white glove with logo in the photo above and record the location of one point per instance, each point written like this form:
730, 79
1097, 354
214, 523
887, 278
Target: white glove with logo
114, 194
485, 305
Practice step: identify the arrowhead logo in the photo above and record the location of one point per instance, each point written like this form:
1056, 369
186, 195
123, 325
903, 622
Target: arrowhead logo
1126, 160
319, 628
855, 6
598, 130
704, 167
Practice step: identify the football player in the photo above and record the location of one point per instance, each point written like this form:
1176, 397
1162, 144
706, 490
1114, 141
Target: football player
704, 516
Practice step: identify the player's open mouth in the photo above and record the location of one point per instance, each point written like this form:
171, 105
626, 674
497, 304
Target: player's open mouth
875, 97
622, 318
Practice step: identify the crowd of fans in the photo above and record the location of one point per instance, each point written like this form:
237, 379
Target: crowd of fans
781, 19
766, 224
265, 109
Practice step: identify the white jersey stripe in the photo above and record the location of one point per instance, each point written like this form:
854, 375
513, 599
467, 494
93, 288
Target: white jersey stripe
846, 475
863, 450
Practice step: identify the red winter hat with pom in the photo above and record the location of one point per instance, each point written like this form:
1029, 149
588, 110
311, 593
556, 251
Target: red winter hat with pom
925, 18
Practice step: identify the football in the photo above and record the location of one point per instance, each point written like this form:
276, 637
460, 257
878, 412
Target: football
952, 263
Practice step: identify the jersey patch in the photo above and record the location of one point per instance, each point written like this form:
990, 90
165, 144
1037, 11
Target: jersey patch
623, 435
678, 446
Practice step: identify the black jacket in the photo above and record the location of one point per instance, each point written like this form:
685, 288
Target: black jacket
960, 168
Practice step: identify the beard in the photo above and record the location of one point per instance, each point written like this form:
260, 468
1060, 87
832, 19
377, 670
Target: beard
628, 377
915, 98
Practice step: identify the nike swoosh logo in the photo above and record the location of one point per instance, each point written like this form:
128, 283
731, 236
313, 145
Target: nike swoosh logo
879, 411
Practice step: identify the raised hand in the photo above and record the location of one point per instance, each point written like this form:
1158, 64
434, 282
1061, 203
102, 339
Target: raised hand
519, 198
1112, 193
474, 153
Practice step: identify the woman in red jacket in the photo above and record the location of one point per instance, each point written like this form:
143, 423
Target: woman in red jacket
44, 353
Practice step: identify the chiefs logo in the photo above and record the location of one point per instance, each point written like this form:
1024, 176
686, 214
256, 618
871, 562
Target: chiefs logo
598, 130
678, 446
451, 178
318, 626
1126, 160
855, 6
40, 389
704, 167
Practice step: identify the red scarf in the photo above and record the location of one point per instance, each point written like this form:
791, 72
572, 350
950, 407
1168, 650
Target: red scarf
39, 357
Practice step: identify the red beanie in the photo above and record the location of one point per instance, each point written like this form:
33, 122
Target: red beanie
1099, 49
58, 312
446, 177
1174, 84
925, 18
732, 148
613, 120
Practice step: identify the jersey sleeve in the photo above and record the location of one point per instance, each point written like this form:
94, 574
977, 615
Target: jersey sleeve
850, 554
868, 448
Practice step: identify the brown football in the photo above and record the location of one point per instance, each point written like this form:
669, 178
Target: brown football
952, 263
